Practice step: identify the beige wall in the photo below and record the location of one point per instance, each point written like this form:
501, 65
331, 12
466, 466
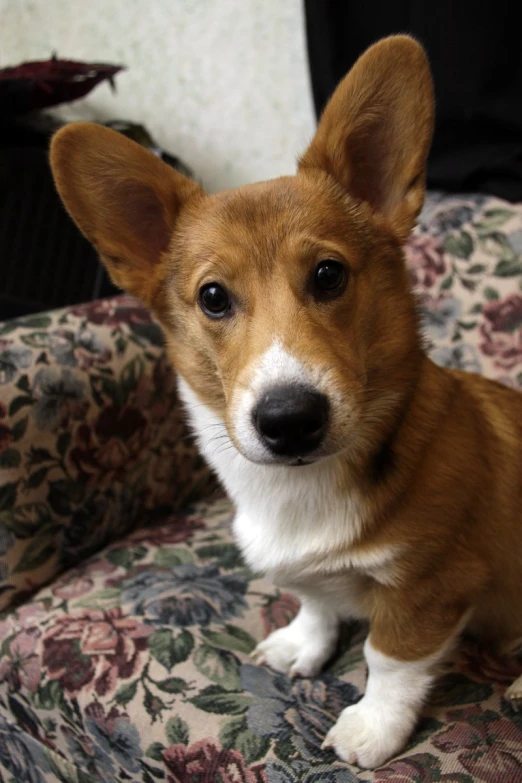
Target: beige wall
222, 83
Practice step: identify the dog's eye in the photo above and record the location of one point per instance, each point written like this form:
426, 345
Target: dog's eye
214, 300
330, 278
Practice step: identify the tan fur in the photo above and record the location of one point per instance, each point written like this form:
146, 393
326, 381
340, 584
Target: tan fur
123, 199
436, 455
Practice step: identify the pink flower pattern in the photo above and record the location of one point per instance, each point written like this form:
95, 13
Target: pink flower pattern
206, 762
22, 667
95, 649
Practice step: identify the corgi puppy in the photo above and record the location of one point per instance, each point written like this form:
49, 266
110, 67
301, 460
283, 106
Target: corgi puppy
367, 480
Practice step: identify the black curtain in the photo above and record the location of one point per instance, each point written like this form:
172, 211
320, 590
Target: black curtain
475, 50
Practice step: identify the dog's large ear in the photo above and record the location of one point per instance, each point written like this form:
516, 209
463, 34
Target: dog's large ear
124, 199
375, 133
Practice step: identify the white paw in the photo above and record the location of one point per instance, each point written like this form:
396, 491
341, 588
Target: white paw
514, 695
285, 650
366, 736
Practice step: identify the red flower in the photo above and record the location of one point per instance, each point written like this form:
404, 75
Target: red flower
156, 393
94, 647
405, 771
206, 762
504, 315
414, 768
80, 580
424, 259
6, 436
488, 745
113, 446
502, 331
72, 588
483, 665
279, 612
177, 528
21, 668
504, 347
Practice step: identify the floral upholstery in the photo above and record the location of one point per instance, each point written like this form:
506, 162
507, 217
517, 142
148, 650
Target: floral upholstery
92, 438
133, 664
465, 259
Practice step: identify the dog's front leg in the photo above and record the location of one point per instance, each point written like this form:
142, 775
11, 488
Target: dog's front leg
379, 725
304, 646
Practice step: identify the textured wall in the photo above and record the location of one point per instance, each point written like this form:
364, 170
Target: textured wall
222, 83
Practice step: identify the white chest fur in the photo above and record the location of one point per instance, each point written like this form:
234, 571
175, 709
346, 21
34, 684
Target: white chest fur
297, 524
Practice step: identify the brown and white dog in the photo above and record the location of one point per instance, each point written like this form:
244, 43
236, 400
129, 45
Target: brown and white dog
367, 480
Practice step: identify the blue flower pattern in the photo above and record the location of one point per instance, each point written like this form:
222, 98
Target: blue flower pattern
185, 595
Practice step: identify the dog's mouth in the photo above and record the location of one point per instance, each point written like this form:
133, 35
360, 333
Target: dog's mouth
280, 461
294, 462
299, 462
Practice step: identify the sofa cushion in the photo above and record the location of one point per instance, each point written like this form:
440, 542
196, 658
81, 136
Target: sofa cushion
135, 666
92, 437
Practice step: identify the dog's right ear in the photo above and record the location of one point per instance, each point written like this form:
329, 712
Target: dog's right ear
124, 199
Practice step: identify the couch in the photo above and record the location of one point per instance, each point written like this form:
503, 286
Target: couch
128, 615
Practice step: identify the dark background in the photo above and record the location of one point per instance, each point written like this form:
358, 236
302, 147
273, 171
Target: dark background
475, 51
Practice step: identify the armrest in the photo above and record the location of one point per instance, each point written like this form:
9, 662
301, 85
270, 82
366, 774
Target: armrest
92, 437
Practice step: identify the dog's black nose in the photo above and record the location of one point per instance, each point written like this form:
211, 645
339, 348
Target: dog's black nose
291, 420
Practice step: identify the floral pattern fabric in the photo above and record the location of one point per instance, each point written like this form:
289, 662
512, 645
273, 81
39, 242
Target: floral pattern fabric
92, 438
465, 262
134, 664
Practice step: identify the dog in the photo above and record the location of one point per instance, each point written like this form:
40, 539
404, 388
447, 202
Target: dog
367, 480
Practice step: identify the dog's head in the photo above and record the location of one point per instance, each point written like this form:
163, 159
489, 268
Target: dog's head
285, 304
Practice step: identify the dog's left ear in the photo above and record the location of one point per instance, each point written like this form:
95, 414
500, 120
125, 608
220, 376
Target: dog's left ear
375, 133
